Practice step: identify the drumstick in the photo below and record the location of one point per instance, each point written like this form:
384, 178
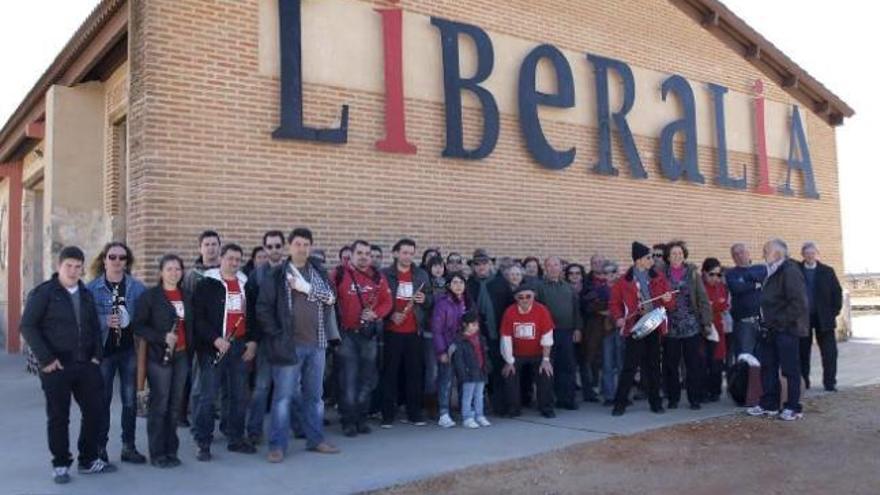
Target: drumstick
676, 291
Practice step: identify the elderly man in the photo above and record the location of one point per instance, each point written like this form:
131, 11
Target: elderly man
745, 281
564, 305
825, 301
784, 320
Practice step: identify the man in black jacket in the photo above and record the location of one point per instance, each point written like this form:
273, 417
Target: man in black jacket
826, 300
784, 320
224, 346
61, 326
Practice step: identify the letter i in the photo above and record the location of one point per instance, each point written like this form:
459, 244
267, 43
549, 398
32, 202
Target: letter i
763, 186
395, 116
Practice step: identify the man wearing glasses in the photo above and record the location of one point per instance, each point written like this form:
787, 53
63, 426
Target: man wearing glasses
454, 263
526, 343
657, 251
273, 243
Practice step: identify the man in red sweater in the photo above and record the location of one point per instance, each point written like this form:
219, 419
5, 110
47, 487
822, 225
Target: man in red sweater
526, 342
363, 298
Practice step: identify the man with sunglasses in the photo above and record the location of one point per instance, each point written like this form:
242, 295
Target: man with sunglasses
526, 344
454, 262
657, 254
273, 243
115, 292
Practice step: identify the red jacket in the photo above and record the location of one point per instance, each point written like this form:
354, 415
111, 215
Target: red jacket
374, 292
720, 303
625, 299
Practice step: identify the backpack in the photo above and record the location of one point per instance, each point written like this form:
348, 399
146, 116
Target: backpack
738, 382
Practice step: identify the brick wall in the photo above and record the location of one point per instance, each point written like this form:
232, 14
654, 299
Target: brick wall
201, 154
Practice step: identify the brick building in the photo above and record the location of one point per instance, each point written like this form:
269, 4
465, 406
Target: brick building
526, 127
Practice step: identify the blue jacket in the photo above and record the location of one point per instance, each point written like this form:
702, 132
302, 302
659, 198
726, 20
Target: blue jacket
745, 285
104, 304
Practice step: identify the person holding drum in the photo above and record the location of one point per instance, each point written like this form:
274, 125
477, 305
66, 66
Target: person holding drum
639, 301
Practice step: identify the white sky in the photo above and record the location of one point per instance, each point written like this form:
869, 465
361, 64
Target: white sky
833, 41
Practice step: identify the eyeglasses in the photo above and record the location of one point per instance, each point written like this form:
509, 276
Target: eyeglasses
523, 297
114, 257
274, 246
658, 255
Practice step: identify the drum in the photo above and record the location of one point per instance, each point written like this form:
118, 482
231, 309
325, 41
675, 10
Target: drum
648, 323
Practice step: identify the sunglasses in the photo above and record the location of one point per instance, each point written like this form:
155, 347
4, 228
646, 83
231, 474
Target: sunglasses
114, 257
454, 260
658, 255
523, 297
274, 246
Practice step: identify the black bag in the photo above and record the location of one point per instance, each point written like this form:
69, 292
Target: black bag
738, 382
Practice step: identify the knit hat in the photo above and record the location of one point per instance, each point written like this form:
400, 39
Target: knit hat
639, 250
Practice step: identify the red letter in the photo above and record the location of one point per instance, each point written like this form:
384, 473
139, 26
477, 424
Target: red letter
761, 141
395, 118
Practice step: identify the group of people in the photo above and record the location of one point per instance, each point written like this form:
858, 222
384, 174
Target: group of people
411, 339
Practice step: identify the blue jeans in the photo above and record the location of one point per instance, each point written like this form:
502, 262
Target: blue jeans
123, 363
230, 373
612, 363
472, 400
298, 389
444, 387
260, 393
745, 333
780, 350
357, 376
430, 361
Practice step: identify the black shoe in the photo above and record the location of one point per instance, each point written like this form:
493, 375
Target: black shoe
569, 406
242, 447
696, 406
204, 454
363, 429
657, 409
299, 435
672, 405
255, 439
173, 461
130, 454
349, 430
514, 414
61, 475
806, 383
159, 461
618, 410
548, 414
713, 398
591, 398
608, 403
831, 389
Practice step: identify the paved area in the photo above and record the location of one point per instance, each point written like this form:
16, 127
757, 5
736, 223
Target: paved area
386, 457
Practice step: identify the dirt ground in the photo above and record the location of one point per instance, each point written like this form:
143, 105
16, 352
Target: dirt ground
835, 449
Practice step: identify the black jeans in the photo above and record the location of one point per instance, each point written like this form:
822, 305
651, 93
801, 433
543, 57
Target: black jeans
528, 367
167, 387
714, 369
643, 355
673, 351
356, 358
497, 397
827, 341
84, 382
402, 349
564, 367
230, 374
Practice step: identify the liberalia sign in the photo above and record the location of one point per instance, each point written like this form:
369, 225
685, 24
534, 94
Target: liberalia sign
673, 166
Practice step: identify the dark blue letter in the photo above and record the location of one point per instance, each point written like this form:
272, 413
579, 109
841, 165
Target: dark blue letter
672, 167
723, 178
604, 165
804, 164
530, 98
453, 84
292, 126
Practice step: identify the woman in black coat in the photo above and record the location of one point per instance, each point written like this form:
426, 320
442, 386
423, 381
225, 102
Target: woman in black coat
164, 319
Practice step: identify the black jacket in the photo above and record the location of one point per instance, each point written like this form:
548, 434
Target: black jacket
827, 297
209, 306
419, 277
499, 293
276, 321
155, 316
466, 363
49, 324
784, 306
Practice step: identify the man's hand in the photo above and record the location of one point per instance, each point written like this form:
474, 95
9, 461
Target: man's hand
546, 367
444, 358
171, 339
576, 336
221, 345
398, 317
95, 360
419, 297
250, 352
508, 370
368, 315
620, 322
114, 321
54, 365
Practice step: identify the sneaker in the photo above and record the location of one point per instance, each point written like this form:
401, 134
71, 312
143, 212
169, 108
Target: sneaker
386, 425
757, 411
204, 454
97, 466
131, 455
324, 448
549, 414
482, 421
445, 421
418, 422
275, 456
789, 415
470, 423
242, 447
61, 475
173, 461
618, 410
363, 428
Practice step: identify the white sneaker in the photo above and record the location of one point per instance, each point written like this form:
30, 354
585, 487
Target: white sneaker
446, 421
61, 475
482, 421
470, 423
759, 411
789, 415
